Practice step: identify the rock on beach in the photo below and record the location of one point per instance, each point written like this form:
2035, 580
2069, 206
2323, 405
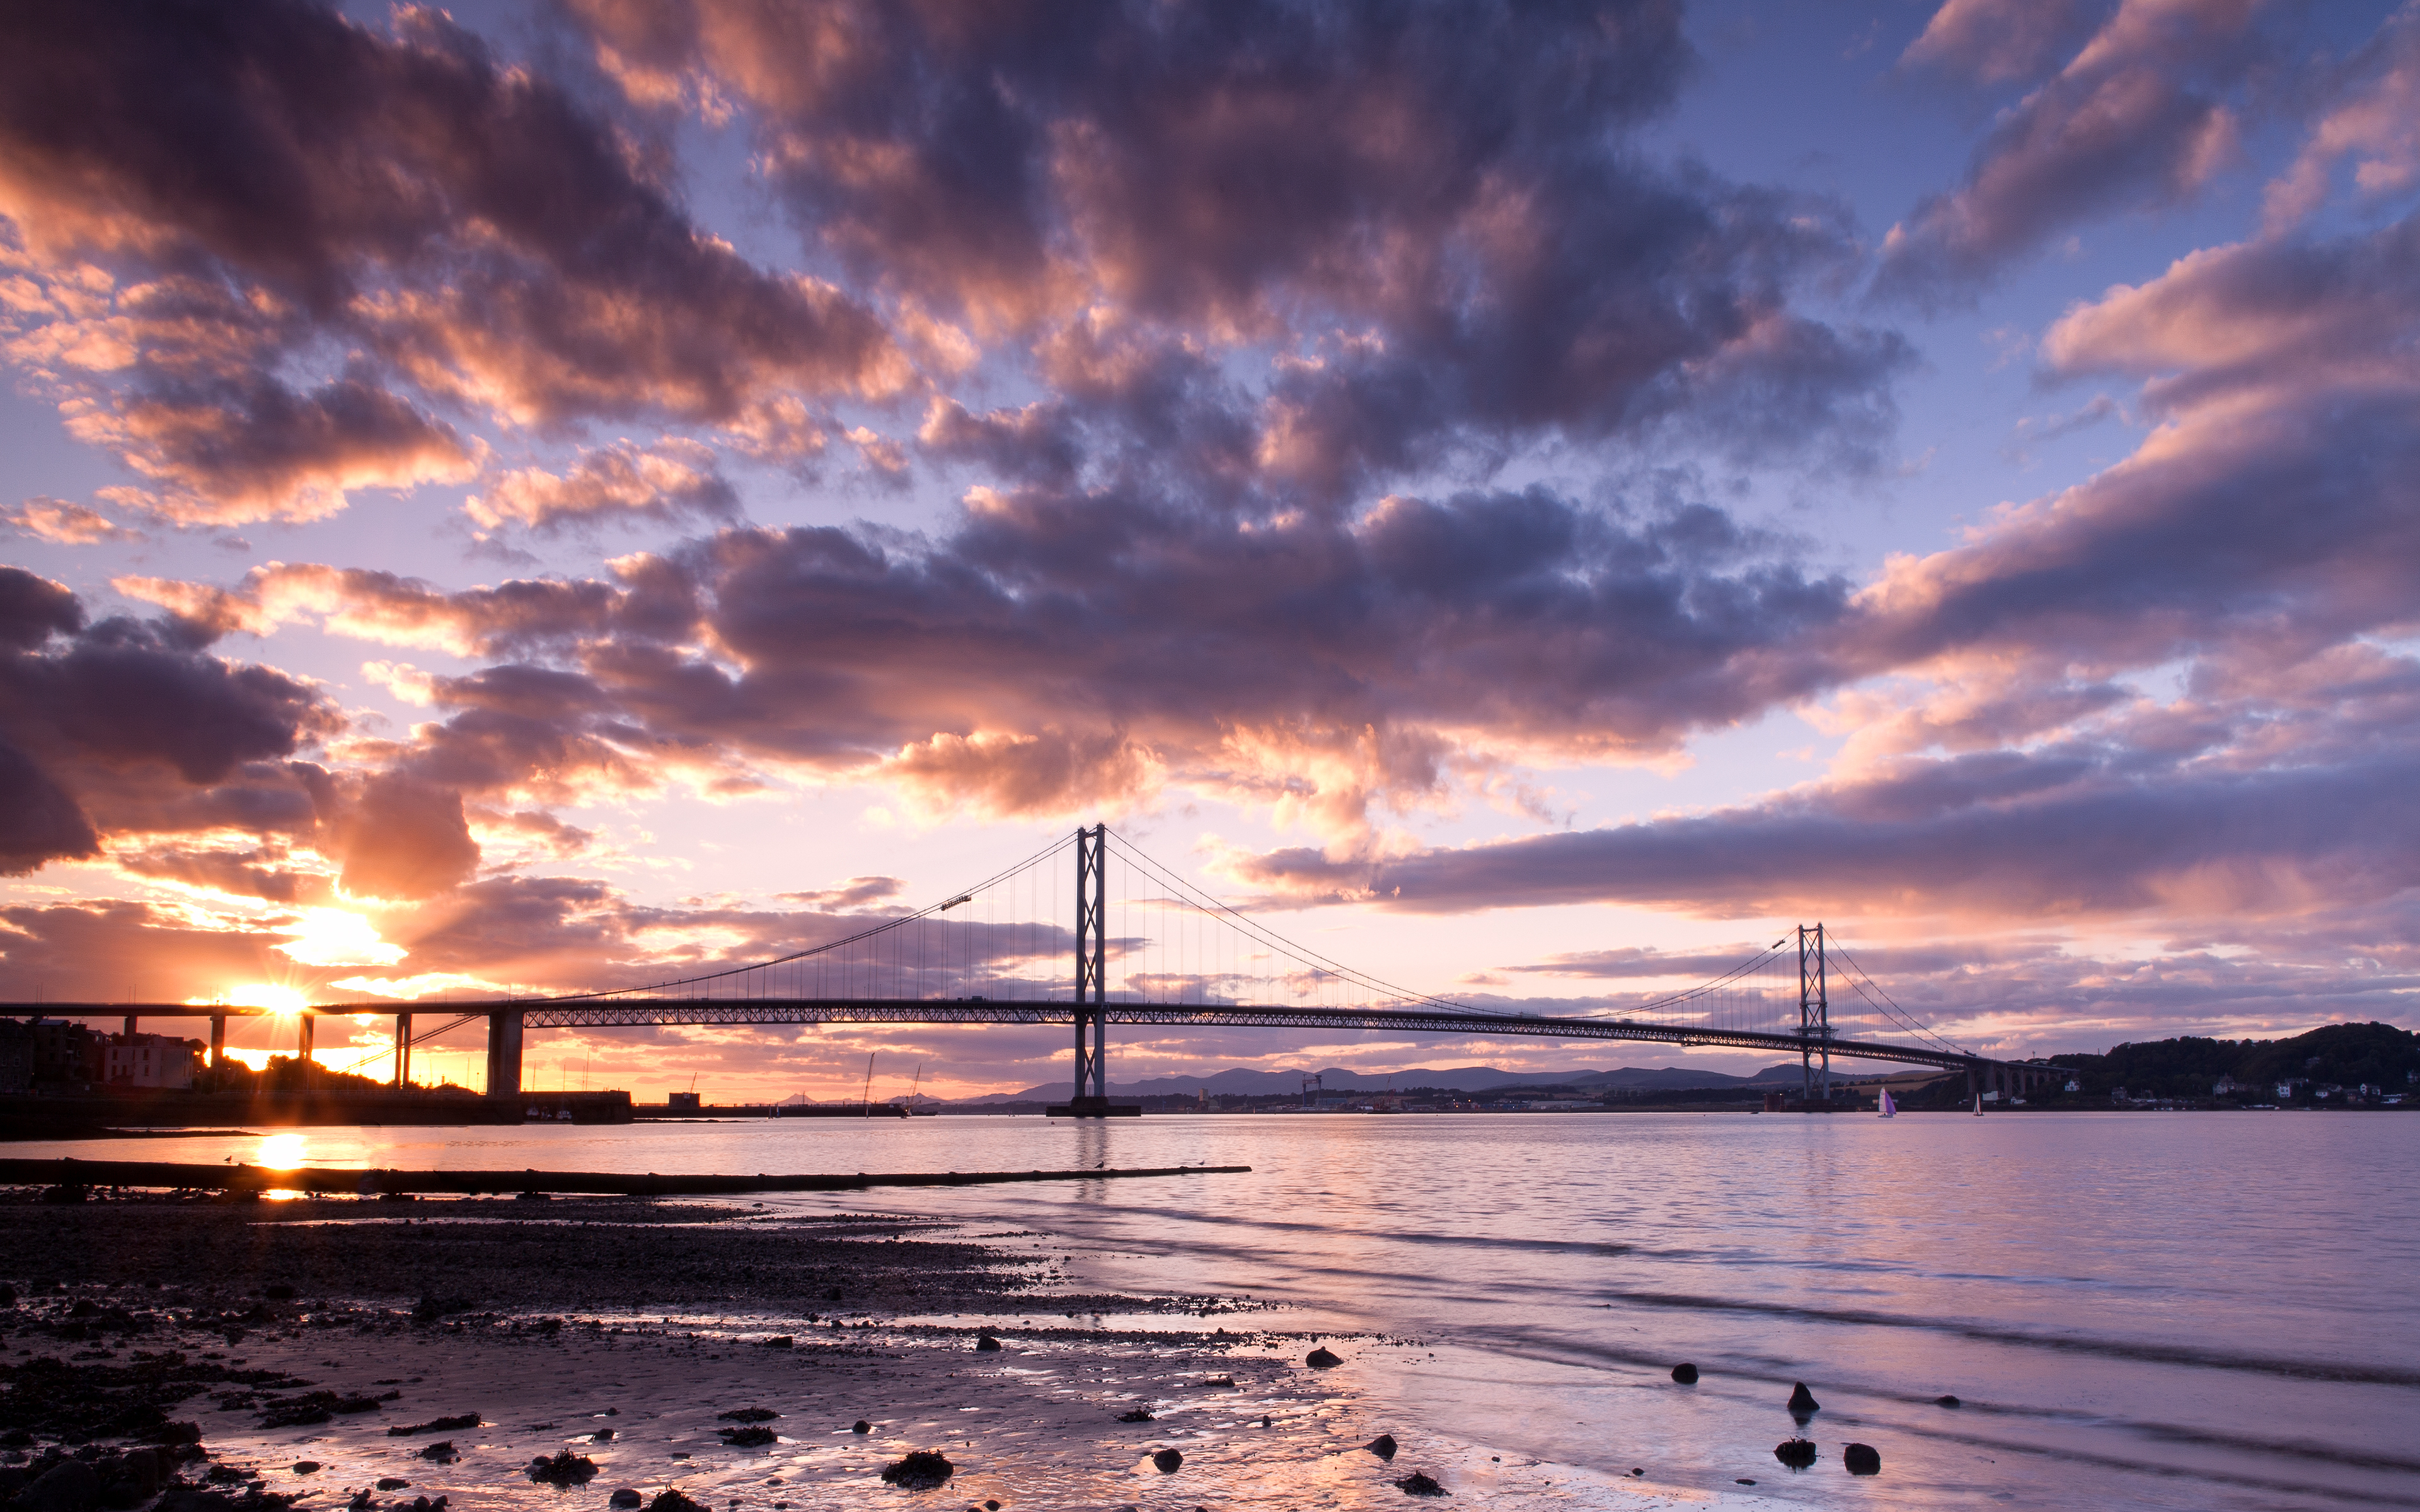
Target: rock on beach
921, 1469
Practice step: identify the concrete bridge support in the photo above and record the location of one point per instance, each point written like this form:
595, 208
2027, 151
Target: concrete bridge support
505, 1053
218, 1041
402, 1051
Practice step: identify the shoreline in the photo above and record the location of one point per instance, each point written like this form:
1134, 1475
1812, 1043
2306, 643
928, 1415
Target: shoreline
650, 1319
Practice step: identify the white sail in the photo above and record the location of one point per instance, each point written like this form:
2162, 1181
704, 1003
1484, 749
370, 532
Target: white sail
1889, 1109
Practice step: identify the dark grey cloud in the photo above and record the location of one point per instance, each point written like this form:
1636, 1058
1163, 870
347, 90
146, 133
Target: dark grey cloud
1430, 216
1064, 643
116, 725
284, 179
2001, 835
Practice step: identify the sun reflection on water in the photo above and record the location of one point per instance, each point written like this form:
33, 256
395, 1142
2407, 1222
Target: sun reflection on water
280, 1152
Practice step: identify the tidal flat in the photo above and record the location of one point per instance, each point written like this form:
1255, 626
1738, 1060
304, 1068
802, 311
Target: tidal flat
378, 1356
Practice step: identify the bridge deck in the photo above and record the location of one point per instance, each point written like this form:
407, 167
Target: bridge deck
640, 1011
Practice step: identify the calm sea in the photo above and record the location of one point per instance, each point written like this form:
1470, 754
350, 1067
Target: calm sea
2171, 1310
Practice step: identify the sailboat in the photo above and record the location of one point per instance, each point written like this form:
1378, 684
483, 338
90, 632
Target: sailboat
1886, 1109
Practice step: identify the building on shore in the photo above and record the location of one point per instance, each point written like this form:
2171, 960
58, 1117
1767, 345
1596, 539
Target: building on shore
152, 1060
59, 1054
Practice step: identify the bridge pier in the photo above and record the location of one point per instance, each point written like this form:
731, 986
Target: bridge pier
402, 1051
302, 1046
218, 1041
505, 1053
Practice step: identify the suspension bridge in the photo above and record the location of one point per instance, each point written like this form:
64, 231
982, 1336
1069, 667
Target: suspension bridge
1050, 941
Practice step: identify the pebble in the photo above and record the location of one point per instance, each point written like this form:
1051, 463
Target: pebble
307, 1467
862, 1425
1686, 1374
1803, 1400
1420, 1482
1947, 1401
1796, 1453
1320, 1359
986, 1342
1862, 1459
1166, 1461
624, 1498
1383, 1446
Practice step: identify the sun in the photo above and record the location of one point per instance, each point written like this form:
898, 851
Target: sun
276, 998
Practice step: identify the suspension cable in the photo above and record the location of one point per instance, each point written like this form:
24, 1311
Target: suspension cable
1906, 1019
884, 928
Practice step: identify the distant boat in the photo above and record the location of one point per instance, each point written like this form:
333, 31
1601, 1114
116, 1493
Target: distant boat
1888, 1109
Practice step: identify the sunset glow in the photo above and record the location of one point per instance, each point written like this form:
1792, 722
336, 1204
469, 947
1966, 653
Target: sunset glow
283, 1001
1538, 500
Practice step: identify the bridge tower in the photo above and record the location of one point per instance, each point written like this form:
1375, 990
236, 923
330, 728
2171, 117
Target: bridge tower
1814, 1016
1092, 1096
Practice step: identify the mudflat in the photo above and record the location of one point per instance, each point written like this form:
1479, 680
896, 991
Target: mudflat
213, 1356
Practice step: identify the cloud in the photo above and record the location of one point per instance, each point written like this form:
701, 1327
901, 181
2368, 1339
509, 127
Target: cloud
850, 896
63, 523
2274, 499
2034, 431
33, 610
113, 726
1011, 776
2374, 119
1969, 838
1428, 222
1062, 645
1998, 42
246, 447
405, 839
2138, 118
672, 479
38, 821
204, 202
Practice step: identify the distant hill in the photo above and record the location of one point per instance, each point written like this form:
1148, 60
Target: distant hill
1242, 1081
2190, 1066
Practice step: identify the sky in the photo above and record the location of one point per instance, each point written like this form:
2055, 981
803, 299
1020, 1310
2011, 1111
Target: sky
1529, 499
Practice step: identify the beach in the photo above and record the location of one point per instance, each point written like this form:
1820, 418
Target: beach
629, 1334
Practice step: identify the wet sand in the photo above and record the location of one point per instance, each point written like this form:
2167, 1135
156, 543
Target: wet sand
646, 1322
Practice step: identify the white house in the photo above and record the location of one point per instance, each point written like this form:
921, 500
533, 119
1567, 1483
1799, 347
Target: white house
150, 1060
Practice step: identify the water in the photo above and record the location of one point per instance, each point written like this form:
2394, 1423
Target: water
2182, 1310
